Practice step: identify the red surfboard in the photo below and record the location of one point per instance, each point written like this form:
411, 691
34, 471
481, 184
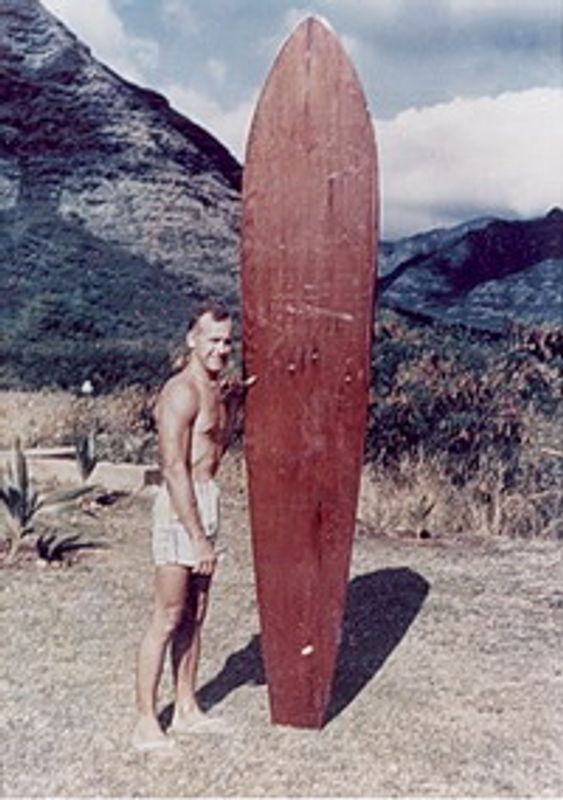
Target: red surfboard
309, 236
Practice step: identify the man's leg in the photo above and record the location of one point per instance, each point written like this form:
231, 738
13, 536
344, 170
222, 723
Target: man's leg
185, 650
171, 583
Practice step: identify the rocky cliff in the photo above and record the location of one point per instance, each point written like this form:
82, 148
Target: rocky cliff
110, 201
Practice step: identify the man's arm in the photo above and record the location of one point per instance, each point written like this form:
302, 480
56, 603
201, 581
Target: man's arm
233, 392
178, 408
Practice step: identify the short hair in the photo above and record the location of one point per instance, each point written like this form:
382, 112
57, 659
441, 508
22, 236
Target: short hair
216, 309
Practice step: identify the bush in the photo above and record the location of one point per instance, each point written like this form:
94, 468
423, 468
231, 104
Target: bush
472, 406
121, 423
53, 315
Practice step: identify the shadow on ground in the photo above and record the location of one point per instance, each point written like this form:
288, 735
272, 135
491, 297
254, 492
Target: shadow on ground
380, 607
243, 667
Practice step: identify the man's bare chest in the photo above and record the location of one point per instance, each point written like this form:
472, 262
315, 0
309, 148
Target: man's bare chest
210, 421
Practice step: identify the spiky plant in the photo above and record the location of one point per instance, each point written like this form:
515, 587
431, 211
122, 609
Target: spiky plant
22, 503
53, 548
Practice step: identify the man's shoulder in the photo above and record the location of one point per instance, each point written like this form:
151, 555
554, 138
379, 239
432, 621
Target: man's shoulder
179, 393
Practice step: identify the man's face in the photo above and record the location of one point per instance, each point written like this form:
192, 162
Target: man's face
211, 342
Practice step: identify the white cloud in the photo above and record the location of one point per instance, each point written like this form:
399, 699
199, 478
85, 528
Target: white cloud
440, 164
98, 24
444, 163
389, 10
511, 8
180, 15
230, 126
386, 8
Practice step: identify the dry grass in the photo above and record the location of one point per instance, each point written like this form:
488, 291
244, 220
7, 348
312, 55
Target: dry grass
417, 499
449, 679
121, 421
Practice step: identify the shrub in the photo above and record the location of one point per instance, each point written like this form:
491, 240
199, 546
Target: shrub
22, 503
464, 402
109, 365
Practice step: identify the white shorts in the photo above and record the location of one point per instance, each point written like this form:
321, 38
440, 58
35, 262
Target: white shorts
171, 544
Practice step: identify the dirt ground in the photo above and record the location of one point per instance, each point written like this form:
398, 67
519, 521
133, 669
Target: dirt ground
450, 677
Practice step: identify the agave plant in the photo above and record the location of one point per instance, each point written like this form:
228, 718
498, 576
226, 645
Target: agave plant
22, 503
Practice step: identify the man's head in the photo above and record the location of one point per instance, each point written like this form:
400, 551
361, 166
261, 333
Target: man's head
209, 337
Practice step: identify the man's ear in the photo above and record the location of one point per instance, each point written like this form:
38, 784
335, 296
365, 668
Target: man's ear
190, 339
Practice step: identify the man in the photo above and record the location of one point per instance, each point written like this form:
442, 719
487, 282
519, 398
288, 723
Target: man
195, 415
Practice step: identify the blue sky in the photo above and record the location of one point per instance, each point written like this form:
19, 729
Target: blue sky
466, 94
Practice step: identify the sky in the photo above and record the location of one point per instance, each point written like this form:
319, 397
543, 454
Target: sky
466, 95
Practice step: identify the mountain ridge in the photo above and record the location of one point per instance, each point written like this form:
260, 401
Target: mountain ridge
118, 215
455, 275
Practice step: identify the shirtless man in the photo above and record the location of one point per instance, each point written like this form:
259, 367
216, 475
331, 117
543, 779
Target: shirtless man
194, 415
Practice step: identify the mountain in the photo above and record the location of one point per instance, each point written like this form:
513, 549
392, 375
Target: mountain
482, 274
118, 214
112, 204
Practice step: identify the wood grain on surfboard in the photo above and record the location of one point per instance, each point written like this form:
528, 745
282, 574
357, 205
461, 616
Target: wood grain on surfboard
309, 237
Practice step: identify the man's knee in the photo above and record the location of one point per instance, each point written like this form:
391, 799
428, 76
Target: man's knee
168, 617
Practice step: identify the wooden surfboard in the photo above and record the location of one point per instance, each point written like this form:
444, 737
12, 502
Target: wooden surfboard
308, 277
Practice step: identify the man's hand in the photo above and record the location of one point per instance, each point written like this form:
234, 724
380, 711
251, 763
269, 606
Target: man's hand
205, 556
233, 389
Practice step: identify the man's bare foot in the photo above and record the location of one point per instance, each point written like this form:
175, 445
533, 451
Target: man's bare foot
148, 736
196, 721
